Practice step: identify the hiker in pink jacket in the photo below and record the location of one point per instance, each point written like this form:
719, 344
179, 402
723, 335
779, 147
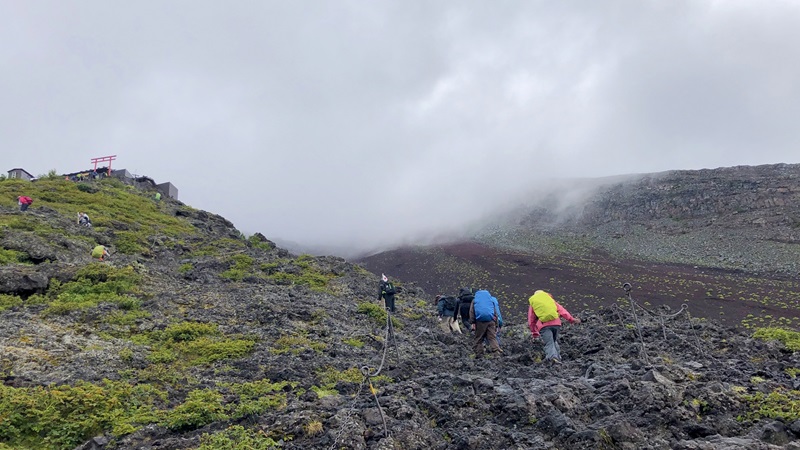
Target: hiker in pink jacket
544, 319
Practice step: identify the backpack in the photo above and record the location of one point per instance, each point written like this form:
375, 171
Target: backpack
544, 306
484, 307
388, 288
25, 200
450, 303
465, 294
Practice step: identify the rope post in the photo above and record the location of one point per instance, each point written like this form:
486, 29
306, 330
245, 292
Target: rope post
627, 287
694, 332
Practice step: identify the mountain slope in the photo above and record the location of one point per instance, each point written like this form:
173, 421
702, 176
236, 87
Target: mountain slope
723, 241
739, 218
194, 336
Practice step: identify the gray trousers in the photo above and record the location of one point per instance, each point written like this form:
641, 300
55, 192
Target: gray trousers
550, 338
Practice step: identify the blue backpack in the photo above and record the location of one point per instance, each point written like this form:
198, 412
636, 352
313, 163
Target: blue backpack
484, 307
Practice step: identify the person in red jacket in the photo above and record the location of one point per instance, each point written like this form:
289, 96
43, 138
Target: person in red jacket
542, 304
24, 202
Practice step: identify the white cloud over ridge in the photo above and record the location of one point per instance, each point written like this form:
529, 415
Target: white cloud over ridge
358, 125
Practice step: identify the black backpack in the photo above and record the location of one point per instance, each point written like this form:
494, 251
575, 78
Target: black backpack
388, 288
450, 303
466, 295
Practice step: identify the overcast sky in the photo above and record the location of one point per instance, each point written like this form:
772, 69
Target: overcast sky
368, 123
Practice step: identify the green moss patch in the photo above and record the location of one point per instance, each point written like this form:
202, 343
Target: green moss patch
328, 377
9, 301
229, 401
779, 404
201, 407
237, 437
94, 284
194, 343
791, 339
241, 266
377, 313
12, 257
296, 344
57, 417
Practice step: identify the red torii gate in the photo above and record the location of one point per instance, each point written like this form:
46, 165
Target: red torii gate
107, 159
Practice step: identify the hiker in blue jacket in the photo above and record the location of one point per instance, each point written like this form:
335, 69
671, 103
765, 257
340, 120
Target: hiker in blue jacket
484, 315
448, 307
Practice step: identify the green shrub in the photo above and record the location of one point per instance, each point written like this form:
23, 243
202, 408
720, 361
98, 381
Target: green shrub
241, 266
126, 354
234, 274
271, 267
259, 244
94, 284
301, 271
791, 339
305, 260
129, 242
237, 437
195, 343
256, 397
324, 392
329, 376
12, 257
201, 407
129, 303
189, 331
162, 355
205, 350
9, 301
296, 344
779, 404
315, 280
377, 313
354, 342
125, 318
57, 417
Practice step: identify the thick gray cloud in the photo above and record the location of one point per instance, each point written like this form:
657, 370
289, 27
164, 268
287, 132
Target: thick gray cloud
360, 124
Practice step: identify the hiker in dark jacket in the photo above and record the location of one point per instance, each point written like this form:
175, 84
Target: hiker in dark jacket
448, 307
465, 297
386, 291
484, 314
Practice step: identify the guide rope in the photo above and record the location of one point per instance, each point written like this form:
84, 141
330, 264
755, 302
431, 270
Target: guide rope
348, 416
662, 321
388, 339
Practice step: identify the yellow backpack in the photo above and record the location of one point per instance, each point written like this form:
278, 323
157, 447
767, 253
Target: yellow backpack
544, 306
